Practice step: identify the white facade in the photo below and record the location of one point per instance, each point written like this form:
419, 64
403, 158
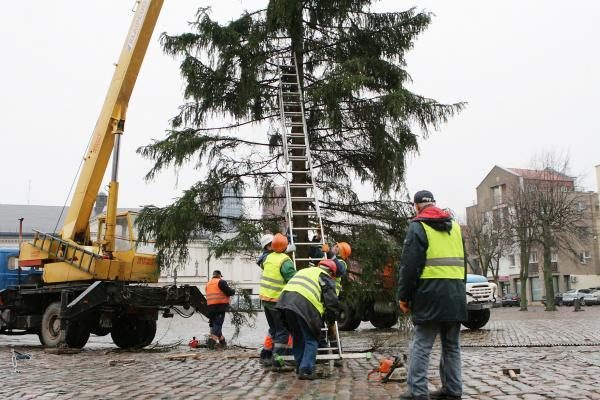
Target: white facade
239, 270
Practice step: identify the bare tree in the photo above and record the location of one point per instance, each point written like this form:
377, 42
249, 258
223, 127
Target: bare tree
485, 241
558, 223
520, 233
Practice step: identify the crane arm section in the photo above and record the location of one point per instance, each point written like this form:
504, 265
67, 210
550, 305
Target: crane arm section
111, 120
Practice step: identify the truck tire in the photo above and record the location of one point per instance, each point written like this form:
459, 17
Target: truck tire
382, 321
78, 334
477, 319
133, 333
347, 321
50, 333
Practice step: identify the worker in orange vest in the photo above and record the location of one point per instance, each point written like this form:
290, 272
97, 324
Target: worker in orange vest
218, 294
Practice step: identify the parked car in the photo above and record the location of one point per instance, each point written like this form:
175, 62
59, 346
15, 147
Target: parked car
511, 299
569, 297
592, 298
557, 299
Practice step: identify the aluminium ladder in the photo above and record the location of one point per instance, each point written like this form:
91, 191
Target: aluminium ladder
300, 186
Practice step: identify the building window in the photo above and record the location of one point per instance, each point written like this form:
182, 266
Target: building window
584, 256
533, 257
553, 256
512, 260
497, 194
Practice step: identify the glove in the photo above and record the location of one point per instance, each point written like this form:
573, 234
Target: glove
404, 307
291, 248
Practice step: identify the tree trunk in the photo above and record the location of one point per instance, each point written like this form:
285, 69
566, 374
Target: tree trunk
548, 286
523, 274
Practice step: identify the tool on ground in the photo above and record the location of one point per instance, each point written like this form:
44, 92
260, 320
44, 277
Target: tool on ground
16, 357
512, 372
194, 344
389, 369
300, 185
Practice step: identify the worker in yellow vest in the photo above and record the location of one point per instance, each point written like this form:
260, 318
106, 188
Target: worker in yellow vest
432, 286
218, 295
278, 269
308, 299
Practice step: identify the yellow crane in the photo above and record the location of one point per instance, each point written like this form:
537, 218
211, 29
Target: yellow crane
73, 255
91, 285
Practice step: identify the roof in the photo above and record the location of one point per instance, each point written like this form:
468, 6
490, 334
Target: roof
545, 174
46, 219
39, 218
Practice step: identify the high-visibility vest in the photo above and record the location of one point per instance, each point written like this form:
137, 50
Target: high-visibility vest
306, 283
214, 295
445, 257
271, 281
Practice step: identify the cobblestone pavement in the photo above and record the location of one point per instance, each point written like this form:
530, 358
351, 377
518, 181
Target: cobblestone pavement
558, 354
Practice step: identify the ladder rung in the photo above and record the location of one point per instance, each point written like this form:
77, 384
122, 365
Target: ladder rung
291, 103
298, 158
304, 228
294, 124
306, 259
291, 93
304, 212
309, 198
293, 113
288, 74
289, 83
327, 349
300, 172
296, 146
295, 134
301, 185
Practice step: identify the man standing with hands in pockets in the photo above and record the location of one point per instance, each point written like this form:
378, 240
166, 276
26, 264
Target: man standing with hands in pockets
431, 287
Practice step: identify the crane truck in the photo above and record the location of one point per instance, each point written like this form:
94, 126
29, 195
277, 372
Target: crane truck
64, 287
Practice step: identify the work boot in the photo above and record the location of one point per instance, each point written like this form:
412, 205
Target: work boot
443, 395
211, 343
410, 396
222, 343
307, 376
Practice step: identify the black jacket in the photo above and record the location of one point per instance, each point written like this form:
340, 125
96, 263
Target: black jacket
429, 299
297, 303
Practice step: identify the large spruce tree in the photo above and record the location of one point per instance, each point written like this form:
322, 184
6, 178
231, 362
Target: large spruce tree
362, 121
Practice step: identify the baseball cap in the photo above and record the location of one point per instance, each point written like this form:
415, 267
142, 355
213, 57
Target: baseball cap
217, 272
424, 196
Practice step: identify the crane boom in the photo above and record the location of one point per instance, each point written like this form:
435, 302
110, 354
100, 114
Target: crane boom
110, 122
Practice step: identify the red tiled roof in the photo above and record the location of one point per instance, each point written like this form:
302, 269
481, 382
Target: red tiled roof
545, 175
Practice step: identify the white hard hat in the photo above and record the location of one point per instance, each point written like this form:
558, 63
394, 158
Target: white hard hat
265, 240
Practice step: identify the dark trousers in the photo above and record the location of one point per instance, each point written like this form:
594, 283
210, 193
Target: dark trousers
276, 328
305, 343
215, 322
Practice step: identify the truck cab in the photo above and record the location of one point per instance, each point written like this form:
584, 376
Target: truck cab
10, 273
481, 295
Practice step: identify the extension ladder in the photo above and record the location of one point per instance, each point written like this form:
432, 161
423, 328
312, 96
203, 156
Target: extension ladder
300, 186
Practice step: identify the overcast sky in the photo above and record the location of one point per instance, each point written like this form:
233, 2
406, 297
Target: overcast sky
529, 70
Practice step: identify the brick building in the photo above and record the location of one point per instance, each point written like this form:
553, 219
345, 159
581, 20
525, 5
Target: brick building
569, 271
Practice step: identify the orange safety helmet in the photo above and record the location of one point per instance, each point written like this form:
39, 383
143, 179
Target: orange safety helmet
279, 243
344, 250
330, 265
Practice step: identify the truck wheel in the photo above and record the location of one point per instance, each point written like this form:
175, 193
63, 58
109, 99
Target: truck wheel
346, 320
381, 321
133, 333
477, 319
50, 333
78, 334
